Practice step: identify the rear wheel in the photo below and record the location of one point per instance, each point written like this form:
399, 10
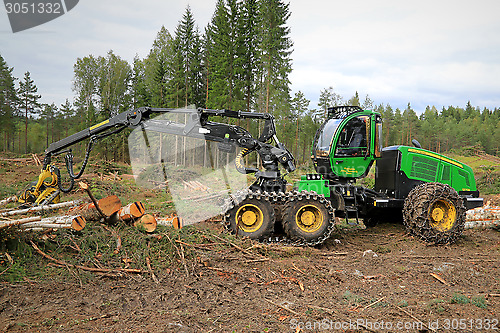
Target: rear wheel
308, 218
435, 213
253, 217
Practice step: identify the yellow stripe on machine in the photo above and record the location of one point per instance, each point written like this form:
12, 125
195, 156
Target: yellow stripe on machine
99, 125
436, 156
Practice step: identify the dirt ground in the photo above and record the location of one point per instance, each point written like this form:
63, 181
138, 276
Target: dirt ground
360, 280
376, 279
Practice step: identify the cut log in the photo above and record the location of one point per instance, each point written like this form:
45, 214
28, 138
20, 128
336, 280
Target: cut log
201, 186
41, 208
131, 211
8, 200
19, 222
171, 221
148, 222
41, 226
108, 205
75, 222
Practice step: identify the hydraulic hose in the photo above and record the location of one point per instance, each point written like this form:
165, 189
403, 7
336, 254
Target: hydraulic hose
240, 164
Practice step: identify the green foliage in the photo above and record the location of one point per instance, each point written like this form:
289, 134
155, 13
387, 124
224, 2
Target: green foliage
351, 298
479, 301
28, 102
459, 299
403, 304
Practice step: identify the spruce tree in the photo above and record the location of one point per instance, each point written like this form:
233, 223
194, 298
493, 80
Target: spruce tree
28, 102
8, 101
187, 47
249, 22
354, 100
158, 89
139, 92
275, 51
219, 58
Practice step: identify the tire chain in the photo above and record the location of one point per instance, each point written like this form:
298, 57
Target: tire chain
279, 199
415, 213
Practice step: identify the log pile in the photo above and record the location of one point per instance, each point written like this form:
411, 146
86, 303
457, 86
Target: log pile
483, 217
108, 210
33, 160
37, 223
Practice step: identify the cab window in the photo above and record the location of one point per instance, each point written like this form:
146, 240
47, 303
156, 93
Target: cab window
322, 146
353, 140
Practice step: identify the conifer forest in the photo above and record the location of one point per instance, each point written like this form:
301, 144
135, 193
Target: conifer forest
240, 61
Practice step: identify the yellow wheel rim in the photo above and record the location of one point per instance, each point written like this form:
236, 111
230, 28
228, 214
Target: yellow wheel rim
443, 215
249, 218
309, 218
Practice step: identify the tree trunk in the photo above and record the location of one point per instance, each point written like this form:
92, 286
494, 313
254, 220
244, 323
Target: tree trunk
74, 222
19, 222
40, 208
108, 205
26, 128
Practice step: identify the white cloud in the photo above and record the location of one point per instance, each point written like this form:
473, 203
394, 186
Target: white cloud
426, 52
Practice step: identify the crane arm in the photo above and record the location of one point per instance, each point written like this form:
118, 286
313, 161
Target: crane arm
198, 125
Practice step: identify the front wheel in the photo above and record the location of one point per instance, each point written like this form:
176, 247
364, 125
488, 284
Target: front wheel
253, 217
435, 213
308, 217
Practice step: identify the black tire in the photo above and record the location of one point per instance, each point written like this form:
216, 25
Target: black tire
370, 221
435, 213
253, 217
308, 218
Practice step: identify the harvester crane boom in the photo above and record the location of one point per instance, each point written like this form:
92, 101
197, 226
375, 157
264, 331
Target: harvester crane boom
198, 125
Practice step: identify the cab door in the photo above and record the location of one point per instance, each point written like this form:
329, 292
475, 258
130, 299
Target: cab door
351, 156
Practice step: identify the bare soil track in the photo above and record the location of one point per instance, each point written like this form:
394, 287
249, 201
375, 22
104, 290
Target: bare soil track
370, 278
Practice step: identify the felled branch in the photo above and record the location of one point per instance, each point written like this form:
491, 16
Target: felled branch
85, 268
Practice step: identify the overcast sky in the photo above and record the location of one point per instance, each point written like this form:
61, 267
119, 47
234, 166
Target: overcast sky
438, 52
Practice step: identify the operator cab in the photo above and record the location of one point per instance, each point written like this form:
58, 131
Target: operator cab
347, 143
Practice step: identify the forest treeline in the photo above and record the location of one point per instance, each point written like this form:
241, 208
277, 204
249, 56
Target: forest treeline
240, 61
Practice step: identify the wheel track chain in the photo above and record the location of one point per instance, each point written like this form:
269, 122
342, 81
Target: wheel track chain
280, 199
415, 213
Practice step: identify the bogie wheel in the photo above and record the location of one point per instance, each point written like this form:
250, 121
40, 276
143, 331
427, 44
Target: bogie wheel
370, 221
435, 213
253, 217
308, 218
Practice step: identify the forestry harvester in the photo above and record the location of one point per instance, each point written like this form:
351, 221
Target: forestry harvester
430, 191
